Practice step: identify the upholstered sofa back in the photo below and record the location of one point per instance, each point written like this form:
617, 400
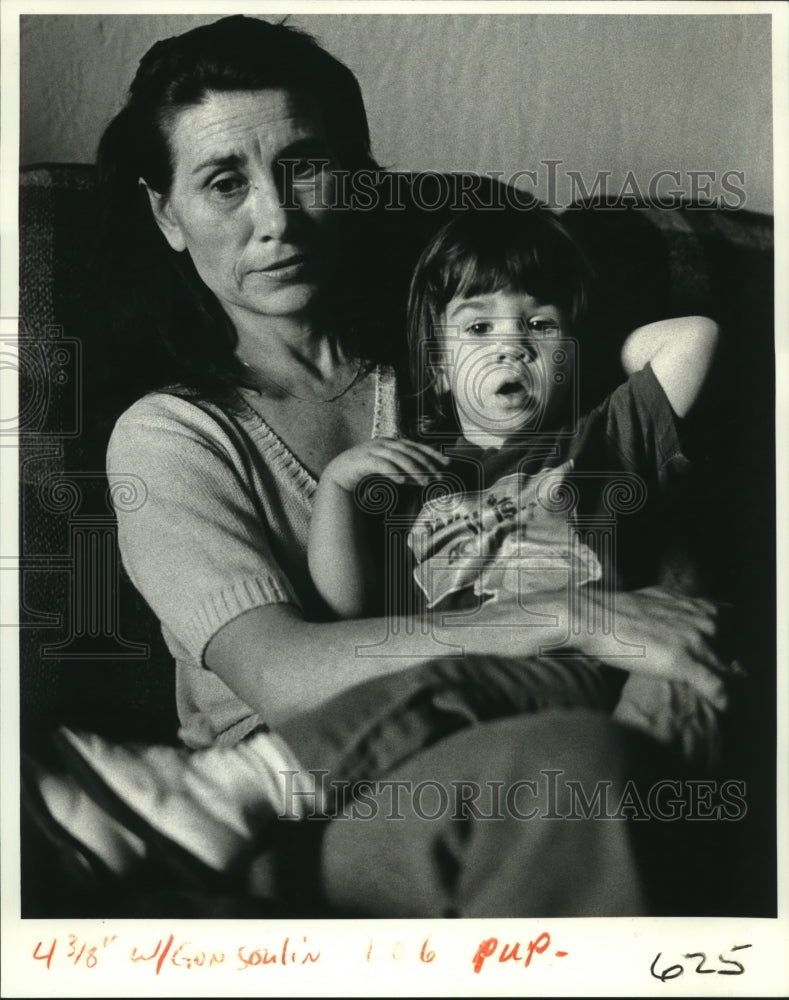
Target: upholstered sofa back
91, 652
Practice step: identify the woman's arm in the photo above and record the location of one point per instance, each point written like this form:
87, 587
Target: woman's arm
194, 544
680, 351
344, 564
306, 663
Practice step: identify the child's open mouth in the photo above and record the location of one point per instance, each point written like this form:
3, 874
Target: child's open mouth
514, 395
510, 388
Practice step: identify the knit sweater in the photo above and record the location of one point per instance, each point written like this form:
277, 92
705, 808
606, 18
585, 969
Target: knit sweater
221, 527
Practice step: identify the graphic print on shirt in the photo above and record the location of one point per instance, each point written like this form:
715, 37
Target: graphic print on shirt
511, 539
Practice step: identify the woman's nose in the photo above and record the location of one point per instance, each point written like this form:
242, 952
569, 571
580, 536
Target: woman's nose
270, 216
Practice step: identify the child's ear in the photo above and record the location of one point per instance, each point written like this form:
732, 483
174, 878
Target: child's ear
165, 217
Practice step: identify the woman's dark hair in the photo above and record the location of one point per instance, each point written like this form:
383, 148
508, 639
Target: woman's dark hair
523, 248
162, 324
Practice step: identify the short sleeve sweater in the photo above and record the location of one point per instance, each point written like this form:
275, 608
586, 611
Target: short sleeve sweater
222, 526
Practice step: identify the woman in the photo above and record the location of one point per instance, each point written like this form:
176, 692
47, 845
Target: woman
258, 324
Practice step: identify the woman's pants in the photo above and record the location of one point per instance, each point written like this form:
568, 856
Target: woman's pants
479, 787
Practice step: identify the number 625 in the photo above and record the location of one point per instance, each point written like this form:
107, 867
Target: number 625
673, 971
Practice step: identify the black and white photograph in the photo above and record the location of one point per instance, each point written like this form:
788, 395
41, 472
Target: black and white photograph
393, 455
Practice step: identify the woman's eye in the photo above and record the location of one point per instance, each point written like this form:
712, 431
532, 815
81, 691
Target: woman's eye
543, 327
227, 186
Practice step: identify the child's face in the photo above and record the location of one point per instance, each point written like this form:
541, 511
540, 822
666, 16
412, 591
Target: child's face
505, 364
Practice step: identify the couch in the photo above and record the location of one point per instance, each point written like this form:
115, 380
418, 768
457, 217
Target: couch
91, 655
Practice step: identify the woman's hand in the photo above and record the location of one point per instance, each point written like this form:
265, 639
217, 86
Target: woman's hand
393, 458
654, 631
680, 636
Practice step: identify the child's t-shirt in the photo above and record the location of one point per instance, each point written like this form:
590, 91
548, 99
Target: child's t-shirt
579, 505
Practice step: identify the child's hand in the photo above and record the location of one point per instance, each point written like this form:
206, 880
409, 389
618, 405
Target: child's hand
395, 459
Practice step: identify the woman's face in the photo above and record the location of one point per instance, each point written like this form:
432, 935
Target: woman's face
250, 202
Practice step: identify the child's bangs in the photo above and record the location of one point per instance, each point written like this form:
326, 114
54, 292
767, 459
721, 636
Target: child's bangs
502, 264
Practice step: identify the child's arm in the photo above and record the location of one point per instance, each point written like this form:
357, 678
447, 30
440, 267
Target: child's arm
346, 566
681, 352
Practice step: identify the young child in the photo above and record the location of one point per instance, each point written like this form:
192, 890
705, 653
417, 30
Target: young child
522, 493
